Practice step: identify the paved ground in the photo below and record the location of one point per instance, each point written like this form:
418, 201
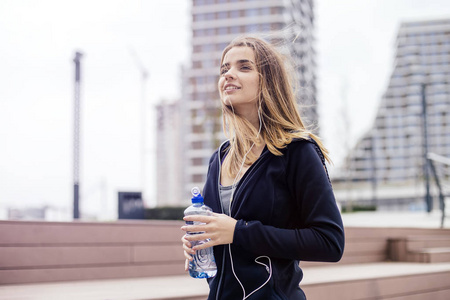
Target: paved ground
337, 273
117, 289
416, 219
182, 287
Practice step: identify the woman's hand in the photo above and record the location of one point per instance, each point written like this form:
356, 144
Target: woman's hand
218, 228
188, 252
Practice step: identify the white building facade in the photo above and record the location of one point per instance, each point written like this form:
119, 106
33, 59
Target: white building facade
168, 151
214, 24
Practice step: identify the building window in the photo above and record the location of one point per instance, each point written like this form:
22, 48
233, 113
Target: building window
197, 64
234, 14
265, 27
197, 178
222, 15
197, 129
265, 11
223, 30
252, 12
208, 48
197, 145
199, 2
199, 17
251, 28
200, 80
235, 29
208, 63
276, 10
199, 32
197, 161
222, 46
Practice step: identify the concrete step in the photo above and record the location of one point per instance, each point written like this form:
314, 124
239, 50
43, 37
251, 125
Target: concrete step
390, 280
425, 248
147, 288
421, 242
430, 255
398, 281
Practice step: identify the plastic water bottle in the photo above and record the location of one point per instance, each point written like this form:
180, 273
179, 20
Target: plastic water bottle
203, 265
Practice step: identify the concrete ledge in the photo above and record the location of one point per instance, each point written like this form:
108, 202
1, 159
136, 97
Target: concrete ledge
425, 249
399, 281
32, 252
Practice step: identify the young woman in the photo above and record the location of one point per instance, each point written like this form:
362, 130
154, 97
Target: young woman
268, 185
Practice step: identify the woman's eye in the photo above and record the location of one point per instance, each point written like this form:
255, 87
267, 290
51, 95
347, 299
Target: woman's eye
223, 71
245, 68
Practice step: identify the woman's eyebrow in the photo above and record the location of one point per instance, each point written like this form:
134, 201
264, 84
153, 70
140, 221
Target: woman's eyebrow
240, 61
244, 61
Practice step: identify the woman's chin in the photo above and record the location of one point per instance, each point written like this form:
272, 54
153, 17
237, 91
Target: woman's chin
227, 101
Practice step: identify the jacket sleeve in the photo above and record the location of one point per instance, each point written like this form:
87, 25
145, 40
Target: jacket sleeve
320, 233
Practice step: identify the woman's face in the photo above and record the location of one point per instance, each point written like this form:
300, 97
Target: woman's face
239, 79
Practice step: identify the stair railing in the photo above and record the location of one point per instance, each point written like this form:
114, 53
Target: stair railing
432, 159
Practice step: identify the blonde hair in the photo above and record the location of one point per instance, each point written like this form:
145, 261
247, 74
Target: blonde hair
278, 112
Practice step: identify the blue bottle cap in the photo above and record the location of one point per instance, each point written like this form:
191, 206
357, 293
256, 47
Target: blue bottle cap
196, 196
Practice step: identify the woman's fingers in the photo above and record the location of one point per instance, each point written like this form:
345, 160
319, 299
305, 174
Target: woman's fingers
187, 246
185, 241
199, 237
195, 228
188, 256
218, 228
199, 218
188, 250
205, 245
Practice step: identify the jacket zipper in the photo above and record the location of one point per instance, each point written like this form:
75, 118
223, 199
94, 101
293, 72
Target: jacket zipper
245, 177
221, 205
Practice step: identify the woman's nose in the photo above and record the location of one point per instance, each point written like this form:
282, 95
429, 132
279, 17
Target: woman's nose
229, 74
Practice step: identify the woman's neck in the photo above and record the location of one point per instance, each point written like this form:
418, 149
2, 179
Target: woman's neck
250, 114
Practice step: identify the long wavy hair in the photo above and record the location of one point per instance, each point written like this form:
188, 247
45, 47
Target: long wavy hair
277, 109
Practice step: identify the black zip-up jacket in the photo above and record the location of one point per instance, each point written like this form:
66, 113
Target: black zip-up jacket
286, 213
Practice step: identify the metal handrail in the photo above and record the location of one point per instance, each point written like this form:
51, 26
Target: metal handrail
433, 157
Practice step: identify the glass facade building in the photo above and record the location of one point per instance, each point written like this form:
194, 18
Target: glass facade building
392, 152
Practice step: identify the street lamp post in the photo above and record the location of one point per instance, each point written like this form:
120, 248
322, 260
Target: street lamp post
76, 137
428, 199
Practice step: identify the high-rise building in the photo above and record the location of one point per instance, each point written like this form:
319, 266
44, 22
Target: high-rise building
169, 160
393, 150
214, 24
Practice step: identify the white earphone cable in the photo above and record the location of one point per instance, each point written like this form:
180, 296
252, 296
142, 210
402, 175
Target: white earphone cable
233, 187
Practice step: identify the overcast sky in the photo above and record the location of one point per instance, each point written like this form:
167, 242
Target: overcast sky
355, 48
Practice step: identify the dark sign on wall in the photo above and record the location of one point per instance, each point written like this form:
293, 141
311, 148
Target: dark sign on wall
131, 205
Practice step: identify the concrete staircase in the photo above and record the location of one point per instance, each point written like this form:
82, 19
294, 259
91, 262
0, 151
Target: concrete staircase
132, 260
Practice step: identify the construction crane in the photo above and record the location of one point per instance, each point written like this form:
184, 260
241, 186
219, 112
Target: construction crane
144, 76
